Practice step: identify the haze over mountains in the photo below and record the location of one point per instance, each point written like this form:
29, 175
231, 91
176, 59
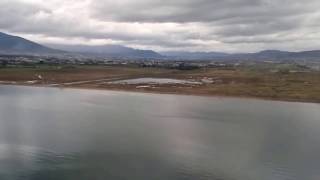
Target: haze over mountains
18, 45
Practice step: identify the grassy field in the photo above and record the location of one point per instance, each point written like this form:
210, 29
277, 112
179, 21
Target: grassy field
240, 82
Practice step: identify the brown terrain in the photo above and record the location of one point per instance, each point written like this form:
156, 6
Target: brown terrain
239, 82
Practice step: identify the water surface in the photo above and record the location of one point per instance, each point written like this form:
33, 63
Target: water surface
154, 81
67, 134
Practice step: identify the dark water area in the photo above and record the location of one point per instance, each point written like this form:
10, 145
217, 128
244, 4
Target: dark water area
68, 134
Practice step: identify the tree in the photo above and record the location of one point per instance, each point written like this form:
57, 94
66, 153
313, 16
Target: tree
4, 63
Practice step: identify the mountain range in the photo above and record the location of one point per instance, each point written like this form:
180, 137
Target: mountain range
115, 51
262, 55
17, 45
194, 55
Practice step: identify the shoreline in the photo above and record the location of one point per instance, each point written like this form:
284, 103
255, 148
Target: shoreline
167, 93
239, 83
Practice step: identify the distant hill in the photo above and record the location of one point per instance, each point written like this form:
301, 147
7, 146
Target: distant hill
184, 55
115, 51
276, 55
273, 55
17, 45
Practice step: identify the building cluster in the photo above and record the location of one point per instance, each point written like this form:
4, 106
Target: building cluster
16, 60
24, 60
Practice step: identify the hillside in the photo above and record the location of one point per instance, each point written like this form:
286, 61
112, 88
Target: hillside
17, 45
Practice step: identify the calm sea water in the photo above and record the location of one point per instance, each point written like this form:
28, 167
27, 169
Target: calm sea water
66, 134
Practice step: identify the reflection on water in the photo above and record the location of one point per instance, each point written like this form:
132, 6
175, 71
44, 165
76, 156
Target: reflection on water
48, 133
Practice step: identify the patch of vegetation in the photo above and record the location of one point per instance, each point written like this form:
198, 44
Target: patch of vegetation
243, 81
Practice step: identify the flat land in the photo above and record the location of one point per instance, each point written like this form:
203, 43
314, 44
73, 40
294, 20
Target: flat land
236, 82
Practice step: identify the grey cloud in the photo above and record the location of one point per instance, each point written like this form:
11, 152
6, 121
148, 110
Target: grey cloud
198, 10
20, 17
246, 20
14, 13
207, 24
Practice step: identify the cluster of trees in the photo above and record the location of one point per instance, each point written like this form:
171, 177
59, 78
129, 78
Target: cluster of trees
184, 66
3, 63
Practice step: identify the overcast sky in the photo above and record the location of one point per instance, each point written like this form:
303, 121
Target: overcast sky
194, 25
